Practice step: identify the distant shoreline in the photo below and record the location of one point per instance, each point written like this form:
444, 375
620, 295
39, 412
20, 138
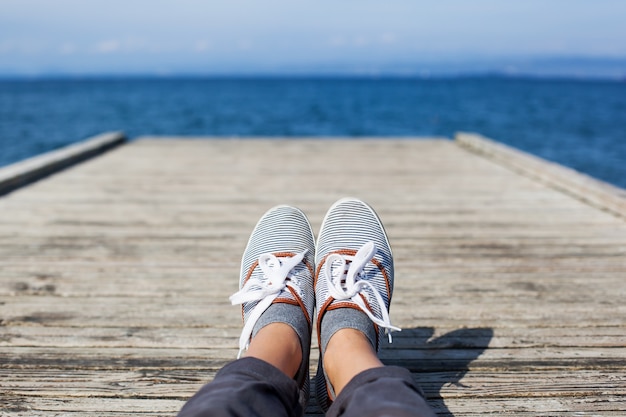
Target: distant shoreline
304, 77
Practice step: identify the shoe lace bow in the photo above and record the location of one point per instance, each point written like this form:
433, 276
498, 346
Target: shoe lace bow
345, 283
277, 276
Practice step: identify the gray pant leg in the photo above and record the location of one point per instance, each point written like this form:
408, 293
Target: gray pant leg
379, 392
243, 388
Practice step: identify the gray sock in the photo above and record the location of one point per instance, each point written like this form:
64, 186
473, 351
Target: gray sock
346, 318
294, 317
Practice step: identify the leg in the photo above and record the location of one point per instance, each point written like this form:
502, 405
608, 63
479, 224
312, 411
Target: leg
277, 344
348, 353
364, 386
353, 287
276, 293
246, 387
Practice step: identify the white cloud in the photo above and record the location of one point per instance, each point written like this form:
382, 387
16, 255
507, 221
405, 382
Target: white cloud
299, 32
67, 49
337, 41
23, 46
127, 45
202, 46
108, 46
360, 41
388, 38
244, 44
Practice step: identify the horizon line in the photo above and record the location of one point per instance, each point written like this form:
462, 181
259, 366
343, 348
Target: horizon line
306, 75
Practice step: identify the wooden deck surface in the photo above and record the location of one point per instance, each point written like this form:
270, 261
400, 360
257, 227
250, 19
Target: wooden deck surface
115, 275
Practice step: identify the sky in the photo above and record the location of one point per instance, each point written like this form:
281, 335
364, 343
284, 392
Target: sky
399, 37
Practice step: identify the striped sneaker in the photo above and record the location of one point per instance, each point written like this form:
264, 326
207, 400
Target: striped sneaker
355, 271
276, 281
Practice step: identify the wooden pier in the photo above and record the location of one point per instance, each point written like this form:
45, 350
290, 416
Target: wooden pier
115, 273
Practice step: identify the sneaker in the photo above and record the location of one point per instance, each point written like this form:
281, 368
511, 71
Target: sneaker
276, 281
354, 271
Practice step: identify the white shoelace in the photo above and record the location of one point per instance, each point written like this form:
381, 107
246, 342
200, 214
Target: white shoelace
344, 284
276, 270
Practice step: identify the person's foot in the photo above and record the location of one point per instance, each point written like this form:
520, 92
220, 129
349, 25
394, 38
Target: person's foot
276, 285
353, 288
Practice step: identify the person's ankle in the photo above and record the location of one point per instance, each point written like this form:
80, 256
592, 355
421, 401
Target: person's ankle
279, 345
348, 353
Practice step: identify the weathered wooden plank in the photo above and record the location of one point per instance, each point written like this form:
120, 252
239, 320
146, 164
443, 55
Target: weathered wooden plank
588, 189
158, 281
416, 360
419, 311
59, 406
596, 405
32, 169
227, 336
454, 245
182, 383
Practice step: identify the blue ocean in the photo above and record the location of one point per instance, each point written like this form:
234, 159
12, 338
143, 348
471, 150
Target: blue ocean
578, 123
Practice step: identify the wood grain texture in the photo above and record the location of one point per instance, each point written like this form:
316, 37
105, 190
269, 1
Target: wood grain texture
115, 275
603, 195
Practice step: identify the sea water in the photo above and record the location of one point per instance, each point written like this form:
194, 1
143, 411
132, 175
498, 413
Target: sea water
578, 123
